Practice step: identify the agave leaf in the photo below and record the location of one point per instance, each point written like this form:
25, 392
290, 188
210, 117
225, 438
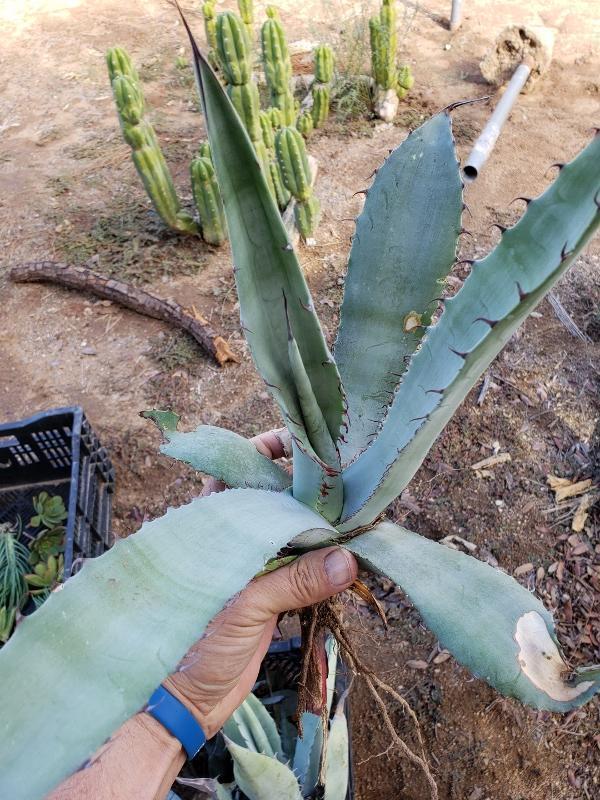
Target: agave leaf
266, 725
403, 248
261, 777
488, 621
307, 755
309, 747
266, 266
337, 761
500, 292
117, 628
226, 456
253, 728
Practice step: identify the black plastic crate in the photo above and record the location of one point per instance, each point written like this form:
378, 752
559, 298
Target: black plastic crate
58, 452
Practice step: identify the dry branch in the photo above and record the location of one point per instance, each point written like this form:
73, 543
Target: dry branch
126, 295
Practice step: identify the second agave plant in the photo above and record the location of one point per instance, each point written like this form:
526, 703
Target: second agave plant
359, 426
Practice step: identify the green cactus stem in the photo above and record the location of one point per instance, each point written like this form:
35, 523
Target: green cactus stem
306, 216
382, 29
280, 191
266, 126
278, 66
232, 49
324, 61
246, 8
207, 198
246, 101
276, 117
119, 62
320, 107
140, 136
204, 150
234, 56
405, 81
210, 23
305, 124
293, 162
274, 179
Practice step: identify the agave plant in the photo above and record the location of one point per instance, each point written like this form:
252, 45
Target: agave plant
271, 763
360, 424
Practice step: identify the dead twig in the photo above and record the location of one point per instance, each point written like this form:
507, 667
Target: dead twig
129, 296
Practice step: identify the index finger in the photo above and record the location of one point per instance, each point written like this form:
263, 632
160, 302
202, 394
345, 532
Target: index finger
273, 444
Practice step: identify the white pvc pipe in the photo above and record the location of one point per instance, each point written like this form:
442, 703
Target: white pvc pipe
456, 14
487, 139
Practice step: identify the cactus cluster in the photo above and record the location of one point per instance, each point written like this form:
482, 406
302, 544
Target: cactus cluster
149, 160
145, 149
278, 67
391, 83
295, 170
321, 88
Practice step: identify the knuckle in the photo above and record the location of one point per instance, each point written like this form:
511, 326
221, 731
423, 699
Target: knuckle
304, 581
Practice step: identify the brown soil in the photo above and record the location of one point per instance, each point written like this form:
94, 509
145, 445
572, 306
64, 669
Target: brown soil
68, 191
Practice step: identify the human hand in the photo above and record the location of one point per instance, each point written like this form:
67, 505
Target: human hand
219, 671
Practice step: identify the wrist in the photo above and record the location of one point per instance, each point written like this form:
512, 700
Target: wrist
158, 738
208, 718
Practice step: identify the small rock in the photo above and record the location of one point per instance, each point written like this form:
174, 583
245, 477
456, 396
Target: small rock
523, 569
89, 351
417, 664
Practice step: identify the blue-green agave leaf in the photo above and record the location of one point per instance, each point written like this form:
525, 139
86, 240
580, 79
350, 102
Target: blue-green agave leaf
226, 456
403, 248
337, 760
309, 747
307, 755
488, 621
499, 293
266, 267
92, 654
261, 777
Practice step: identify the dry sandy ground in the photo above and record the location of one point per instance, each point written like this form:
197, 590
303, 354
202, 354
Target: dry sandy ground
68, 191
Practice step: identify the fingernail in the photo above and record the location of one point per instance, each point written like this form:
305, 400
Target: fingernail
337, 568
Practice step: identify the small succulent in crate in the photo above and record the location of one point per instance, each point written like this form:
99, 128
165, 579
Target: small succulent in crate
29, 572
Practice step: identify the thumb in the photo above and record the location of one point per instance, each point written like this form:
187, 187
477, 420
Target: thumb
309, 579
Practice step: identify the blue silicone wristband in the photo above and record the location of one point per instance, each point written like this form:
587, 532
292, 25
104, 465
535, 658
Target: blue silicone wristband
177, 719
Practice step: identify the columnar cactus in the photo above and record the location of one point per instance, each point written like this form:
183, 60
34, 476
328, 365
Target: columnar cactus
278, 67
274, 178
235, 60
360, 426
207, 198
140, 136
383, 60
246, 8
320, 107
291, 155
305, 124
209, 13
323, 60
405, 81
119, 62
276, 117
